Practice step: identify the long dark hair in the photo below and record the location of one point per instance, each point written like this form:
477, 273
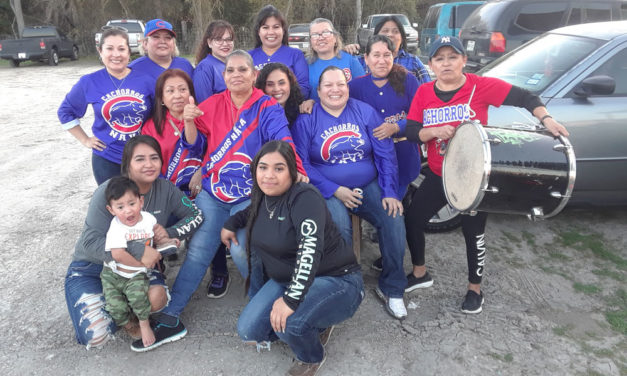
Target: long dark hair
401, 29
257, 195
295, 98
159, 110
265, 13
216, 29
398, 74
129, 149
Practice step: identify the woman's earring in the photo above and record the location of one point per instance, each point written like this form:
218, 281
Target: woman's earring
163, 104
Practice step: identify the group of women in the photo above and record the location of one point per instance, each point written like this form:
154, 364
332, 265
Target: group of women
216, 163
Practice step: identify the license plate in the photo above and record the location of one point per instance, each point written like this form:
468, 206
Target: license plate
21, 55
306, 45
470, 46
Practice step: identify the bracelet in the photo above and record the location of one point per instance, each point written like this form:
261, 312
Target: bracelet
544, 118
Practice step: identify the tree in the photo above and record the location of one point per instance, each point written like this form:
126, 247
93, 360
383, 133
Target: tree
16, 6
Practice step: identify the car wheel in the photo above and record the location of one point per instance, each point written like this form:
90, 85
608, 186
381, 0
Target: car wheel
53, 58
74, 53
14, 63
446, 219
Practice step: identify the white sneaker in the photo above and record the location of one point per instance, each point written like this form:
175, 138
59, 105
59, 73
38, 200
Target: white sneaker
394, 306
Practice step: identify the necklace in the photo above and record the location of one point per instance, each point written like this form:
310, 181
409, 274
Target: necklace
176, 130
113, 82
270, 212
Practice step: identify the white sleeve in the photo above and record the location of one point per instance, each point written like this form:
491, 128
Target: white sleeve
116, 236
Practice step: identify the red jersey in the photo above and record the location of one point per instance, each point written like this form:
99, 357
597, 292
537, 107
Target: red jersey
469, 103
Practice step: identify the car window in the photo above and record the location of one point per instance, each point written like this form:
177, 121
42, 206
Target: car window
432, 18
461, 12
540, 63
299, 28
131, 27
597, 12
38, 32
541, 16
616, 67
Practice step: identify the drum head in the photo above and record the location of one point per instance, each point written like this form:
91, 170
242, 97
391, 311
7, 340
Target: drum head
466, 167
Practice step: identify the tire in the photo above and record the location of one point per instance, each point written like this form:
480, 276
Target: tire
447, 218
53, 58
74, 53
14, 63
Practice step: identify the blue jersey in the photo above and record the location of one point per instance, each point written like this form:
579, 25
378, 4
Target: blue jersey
120, 108
342, 151
411, 62
208, 79
154, 70
292, 57
234, 136
393, 108
346, 62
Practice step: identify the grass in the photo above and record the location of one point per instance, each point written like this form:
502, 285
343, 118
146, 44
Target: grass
529, 238
562, 330
552, 270
508, 358
586, 288
617, 276
511, 237
617, 318
593, 243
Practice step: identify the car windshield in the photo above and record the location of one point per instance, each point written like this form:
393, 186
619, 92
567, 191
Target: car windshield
539, 63
131, 27
301, 28
38, 32
401, 17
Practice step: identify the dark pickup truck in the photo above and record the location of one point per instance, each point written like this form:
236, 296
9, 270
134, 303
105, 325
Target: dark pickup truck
38, 43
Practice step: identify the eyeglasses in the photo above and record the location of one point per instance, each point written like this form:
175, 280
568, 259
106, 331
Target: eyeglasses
223, 41
324, 34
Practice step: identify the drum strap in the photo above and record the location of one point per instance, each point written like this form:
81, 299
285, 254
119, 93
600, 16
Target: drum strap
471, 113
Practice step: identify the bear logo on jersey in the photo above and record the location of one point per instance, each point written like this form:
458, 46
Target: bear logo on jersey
343, 147
233, 180
124, 114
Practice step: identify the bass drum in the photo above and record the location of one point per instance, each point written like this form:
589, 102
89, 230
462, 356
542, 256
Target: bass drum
512, 171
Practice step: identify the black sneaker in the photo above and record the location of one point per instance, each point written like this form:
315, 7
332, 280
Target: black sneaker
377, 264
472, 302
418, 283
163, 334
219, 286
167, 249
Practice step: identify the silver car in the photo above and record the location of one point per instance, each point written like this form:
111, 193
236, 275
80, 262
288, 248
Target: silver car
298, 36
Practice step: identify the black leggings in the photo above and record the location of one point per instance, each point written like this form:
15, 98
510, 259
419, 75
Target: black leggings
428, 199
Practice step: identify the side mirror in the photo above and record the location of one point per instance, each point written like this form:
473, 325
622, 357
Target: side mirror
596, 85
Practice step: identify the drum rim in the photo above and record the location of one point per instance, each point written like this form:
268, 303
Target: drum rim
487, 168
572, 175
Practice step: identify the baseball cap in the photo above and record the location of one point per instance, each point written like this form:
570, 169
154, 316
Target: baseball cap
444, 41
156, 25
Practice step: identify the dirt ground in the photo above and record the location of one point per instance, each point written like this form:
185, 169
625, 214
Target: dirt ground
555, 300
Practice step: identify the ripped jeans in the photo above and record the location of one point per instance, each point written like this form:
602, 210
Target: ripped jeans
86, 303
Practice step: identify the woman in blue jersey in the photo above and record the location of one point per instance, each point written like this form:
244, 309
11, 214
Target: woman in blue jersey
391, 27
271, 45
215, 46
356, 173
389, 88
121, 98
326, 50
278, 81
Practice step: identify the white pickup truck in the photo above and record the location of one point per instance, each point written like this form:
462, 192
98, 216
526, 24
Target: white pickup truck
135, 30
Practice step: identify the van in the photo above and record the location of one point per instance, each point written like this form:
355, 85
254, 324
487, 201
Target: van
500, 26
444, 19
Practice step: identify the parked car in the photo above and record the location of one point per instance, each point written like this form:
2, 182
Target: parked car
368, 29
501, 26
38, 43
580, 73
135, 30
444, 19
298, 36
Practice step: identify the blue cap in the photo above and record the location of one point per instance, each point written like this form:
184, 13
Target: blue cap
444, 41
156, 25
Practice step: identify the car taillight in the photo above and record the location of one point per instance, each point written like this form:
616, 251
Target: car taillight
42, 44
497, 42
0, 46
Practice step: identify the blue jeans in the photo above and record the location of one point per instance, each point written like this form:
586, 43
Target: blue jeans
391, 232
103, 168
202, 248
86, 303
329, 301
